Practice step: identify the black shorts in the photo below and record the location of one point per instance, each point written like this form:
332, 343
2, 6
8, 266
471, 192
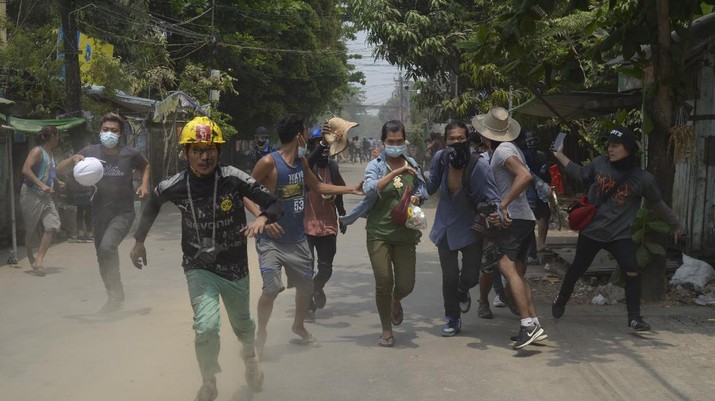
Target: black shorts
541, 210
515, 240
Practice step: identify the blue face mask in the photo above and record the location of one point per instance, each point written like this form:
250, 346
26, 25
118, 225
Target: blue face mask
302, 150
109, 139
394, 150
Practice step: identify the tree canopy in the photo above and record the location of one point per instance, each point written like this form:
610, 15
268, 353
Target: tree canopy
276, 56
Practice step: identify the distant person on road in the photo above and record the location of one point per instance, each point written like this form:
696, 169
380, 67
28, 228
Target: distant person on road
456, 214
113, 203
355, 150
391, 246
286, 173
36, 203
365, 146
213, 240
512, 177
617, 185
262, 144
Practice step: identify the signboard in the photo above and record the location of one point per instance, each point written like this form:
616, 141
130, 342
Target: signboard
87, 48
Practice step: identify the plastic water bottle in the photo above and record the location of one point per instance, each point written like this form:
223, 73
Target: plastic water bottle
542, 190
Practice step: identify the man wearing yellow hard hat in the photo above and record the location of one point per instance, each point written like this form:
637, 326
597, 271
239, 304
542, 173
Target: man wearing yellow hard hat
113, 202
213, 240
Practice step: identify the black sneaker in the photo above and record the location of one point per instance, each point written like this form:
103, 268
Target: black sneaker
527, 335
452, 327
558, 307
638, 324
319, 298
465, 301
538, 339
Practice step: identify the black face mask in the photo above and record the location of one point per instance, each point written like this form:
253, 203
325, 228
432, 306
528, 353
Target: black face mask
323, 160
626, 163
458, 154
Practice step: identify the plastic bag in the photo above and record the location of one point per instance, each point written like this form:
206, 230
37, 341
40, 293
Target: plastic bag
693, 271
416, 218
400, 212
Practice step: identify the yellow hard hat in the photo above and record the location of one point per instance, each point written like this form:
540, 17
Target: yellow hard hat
201, 129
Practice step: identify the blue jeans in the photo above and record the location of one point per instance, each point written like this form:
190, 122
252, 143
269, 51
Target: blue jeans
108, 234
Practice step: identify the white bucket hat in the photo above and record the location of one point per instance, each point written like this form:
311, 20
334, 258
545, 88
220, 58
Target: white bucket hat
88, 171
497, 125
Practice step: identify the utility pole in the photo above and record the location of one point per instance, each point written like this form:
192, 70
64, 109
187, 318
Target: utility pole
402, 100
73, 84
73, 96
3, 21
3, 40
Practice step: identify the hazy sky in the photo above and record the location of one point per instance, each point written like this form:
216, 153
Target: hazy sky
380, 75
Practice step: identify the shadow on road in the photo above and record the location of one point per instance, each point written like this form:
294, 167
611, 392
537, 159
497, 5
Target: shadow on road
99, 317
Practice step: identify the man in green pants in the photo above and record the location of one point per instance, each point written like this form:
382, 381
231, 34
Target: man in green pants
213, 241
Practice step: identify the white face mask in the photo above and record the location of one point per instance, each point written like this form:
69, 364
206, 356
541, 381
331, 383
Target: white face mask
109, 139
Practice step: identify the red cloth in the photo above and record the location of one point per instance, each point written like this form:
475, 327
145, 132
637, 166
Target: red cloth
556, 180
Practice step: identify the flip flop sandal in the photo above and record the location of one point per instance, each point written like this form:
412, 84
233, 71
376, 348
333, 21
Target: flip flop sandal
386, 342
39, 271
303, 341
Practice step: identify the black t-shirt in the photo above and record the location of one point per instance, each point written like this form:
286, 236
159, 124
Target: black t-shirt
230, 216
115, 191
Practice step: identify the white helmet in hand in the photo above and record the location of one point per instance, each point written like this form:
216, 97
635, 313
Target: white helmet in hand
88, 171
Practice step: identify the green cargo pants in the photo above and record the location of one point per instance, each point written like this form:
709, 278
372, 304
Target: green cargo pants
204, 290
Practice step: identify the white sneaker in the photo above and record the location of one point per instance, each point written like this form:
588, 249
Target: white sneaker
498, 302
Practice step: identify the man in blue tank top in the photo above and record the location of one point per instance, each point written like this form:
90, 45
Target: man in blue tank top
286, 173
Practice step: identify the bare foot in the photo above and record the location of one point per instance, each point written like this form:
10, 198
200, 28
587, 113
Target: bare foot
38, 263
397, 313
305, 336
31, 259
38, 268
260, 342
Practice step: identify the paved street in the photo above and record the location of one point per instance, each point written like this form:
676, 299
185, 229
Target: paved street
55, 346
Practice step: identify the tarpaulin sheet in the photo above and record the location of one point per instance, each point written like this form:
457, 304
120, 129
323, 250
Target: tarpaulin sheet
34, 126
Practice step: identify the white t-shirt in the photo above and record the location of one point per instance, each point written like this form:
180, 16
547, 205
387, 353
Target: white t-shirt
519, 208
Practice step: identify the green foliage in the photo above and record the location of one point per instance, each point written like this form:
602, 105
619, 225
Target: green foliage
644, 226
32, 70
281, 55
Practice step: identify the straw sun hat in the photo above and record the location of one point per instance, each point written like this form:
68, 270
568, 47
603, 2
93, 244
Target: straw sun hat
338, 138
497, 125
